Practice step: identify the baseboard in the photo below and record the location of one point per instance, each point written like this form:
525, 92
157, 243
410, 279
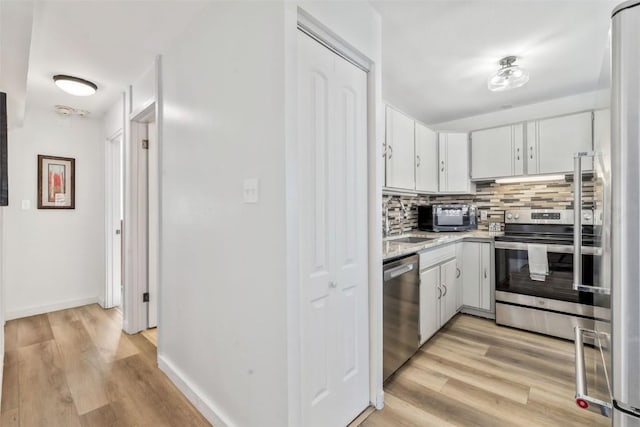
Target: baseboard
478, 312
195, 396
32, 311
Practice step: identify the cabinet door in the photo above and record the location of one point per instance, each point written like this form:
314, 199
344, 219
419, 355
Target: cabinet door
518, 149
559, 138
531, 151
459, 278
454, 163
448, 301
400, 152
426, 159
485, 276
471, 274
430, 295
492, 153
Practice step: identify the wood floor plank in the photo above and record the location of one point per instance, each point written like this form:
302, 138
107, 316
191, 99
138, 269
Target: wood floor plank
479, 378
11, 335
154, 397
33, 330
151, 335
399, 413
489, 375
10, 384
88, 373
10, 418
438, 405
104, 416
45, 399
110, 341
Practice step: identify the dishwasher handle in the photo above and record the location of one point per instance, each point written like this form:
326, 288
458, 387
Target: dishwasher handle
398, 271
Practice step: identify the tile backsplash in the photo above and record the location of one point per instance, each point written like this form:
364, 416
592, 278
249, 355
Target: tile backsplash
493, 198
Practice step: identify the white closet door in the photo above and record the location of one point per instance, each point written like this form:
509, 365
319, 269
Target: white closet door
333, 236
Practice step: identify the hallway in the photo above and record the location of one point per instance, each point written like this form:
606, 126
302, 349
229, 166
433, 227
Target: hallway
76, 367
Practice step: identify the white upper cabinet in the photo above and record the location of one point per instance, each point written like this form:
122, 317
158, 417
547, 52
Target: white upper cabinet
400, 151
497, 152
426, 160
552, 143
453, 163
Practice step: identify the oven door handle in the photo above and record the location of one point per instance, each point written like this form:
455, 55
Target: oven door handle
583, 400
557, 249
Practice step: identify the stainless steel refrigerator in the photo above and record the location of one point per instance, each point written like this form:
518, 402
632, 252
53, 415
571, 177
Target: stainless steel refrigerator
617, 180
625, 230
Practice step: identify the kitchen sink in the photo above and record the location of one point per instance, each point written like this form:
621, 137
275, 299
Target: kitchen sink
410, 239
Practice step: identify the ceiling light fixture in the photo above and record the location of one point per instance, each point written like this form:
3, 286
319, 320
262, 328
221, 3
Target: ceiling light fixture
75, 85
509, 76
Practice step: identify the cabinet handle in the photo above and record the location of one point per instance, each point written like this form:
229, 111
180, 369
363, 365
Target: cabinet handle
390, 151
457, 273
440, 292
518, 153
384, 150
531, 152
442, 168
333, 284
445, 290
418, 163
485, 273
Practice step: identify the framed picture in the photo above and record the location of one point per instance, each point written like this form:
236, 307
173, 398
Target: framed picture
56, 182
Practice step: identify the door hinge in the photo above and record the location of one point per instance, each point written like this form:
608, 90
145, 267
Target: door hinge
145, 297
145, 144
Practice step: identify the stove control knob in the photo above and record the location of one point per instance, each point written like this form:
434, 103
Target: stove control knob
517, 216
509, 216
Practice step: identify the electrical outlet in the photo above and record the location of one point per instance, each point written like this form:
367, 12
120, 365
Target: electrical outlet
483, 215
26, 205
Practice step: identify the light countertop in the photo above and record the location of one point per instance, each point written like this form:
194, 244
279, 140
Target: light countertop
393, 249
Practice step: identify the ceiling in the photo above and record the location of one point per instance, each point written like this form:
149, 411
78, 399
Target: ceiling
111, 43
438, 55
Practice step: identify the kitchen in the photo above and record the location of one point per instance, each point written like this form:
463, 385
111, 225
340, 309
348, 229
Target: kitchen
516, 246
479, 222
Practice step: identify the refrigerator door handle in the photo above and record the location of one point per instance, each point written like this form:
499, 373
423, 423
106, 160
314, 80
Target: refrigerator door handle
583, 400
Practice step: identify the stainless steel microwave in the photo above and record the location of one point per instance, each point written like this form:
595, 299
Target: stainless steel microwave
447, 217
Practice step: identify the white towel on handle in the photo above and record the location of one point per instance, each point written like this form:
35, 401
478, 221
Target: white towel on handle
538, 262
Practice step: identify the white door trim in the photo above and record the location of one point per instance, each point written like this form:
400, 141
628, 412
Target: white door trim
135, 256
106, 300
308, 24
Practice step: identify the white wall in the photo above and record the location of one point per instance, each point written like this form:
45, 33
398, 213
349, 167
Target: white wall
555, 107
54, 258
223, 295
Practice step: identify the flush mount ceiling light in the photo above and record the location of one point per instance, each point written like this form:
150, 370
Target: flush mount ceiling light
75, 85
509, 76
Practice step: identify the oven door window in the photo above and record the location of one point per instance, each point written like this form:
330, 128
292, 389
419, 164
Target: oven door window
512, 275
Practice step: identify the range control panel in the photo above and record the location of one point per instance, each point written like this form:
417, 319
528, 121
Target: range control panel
545, 216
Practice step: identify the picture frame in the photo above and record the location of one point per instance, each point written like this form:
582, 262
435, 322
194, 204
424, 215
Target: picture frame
56, 182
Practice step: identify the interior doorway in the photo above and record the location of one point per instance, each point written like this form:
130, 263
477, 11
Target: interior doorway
114, 220
144, 248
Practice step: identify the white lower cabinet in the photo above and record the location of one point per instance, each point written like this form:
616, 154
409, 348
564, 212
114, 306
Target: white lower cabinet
476, 272
438, 296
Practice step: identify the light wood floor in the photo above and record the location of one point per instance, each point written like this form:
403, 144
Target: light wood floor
76, 368
475, 373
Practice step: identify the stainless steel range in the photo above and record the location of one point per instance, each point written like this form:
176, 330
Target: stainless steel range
535, 273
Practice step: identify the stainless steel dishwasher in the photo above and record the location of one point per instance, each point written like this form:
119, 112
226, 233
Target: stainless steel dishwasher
401, 312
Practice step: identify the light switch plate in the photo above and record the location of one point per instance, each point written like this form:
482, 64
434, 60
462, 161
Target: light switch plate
250, 191
26, 205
